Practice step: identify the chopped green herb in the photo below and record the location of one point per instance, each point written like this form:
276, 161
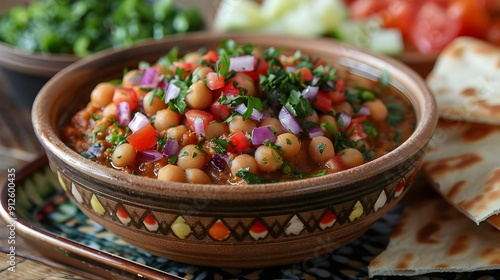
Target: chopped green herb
251, 178
321, 147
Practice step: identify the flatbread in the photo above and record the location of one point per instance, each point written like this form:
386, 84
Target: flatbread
466, 81
463, 163
432, 236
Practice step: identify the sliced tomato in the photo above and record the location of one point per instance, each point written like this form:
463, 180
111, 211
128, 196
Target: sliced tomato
323, 101
229, 89
193, 114
214, 81
128, 95
260, 68
238, 142
474, 20
220, 111
400, 14
493, 35
361, 9
144, 138
433, 28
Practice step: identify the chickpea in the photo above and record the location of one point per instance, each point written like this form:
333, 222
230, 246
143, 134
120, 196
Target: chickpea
351, 157
200, 73
152, 103
176, 132
244, 161
192, 57
172, 173
343, 107
237, 123
197, 176
289, 144
131, 78
268, 159
246, 82
102, 95
165, 119
216, 129
321, 149
378, 110
332, 121
109, 110
312, 118
123, 155
274, 123
191, 157
199, 96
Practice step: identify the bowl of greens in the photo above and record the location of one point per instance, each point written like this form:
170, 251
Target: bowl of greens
41, 37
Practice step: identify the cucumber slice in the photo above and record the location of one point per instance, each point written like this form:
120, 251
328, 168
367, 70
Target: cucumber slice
371, 36
387, 41
238, 15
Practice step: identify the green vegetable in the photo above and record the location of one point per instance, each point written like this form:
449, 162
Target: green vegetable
85, 27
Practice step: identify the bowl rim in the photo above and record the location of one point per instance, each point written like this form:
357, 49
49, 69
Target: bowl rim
425, 109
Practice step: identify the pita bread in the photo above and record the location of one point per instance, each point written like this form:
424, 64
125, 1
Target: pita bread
463, 163
432, 236
466, 81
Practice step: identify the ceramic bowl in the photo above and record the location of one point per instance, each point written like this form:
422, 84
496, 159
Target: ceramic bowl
266, 224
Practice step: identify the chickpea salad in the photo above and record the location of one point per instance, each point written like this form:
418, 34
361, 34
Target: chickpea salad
238, 114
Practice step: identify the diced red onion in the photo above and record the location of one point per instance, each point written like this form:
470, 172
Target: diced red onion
172, 91
150, 78
171, 148
288, 121
364, 111
310, 92
346, 120
199, 126
138, 122
123, 113
256, 115
241, 63
315, 131
291, 69
261, 134
150, 155
315, 81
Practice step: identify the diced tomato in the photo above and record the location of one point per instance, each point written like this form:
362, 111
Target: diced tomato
494, 33
305, 74
210, 56
193, 114
220, 111
356, 131
186, 66
238, 142
360, 119
335, 164
433, 28
474, 20
144, 138
260, 68
323, 101
214, 81
229, 89
128, 95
